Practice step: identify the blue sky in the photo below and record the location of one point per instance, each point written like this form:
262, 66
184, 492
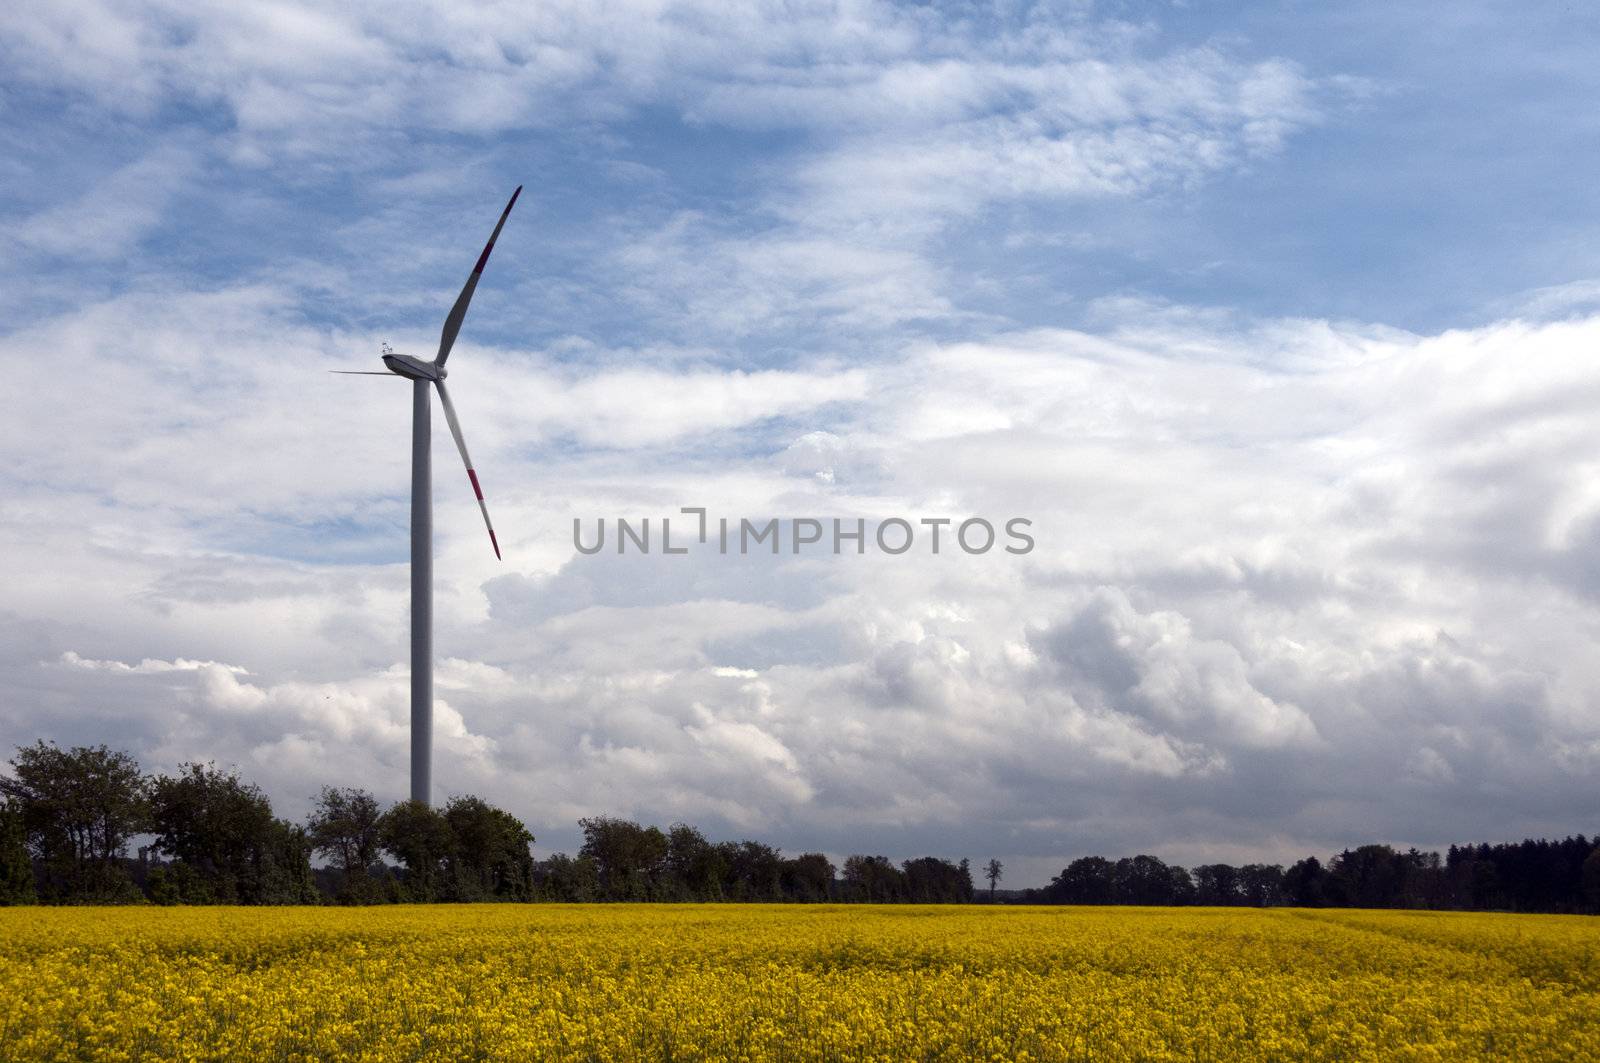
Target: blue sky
1277, 319
1438, 167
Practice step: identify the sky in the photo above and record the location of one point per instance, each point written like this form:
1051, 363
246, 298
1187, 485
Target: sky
1278, 322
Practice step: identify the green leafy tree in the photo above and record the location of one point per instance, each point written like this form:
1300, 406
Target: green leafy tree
1146, 879
489, 856
872, 879
753, 871
694, 867
420, 838
79, 809
223, 839
630, 860
1261, 884
807, 877
1305, 883
1218, 884
1087, 880
16, 866
562, 878
284, 869
1369, 876
930, 880
1589, 879
344, 828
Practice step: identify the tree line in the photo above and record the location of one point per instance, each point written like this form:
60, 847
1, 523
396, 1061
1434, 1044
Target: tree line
621, 860
1527, 876
68, 819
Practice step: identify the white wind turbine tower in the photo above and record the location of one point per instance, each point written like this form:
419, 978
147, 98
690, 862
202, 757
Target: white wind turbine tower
423, 375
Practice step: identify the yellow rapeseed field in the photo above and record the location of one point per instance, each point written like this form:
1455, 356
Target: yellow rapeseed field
794, 982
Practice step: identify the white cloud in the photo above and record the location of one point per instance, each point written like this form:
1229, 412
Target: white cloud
1085, 129
690, 276
148, 666
299, 78
1311, 581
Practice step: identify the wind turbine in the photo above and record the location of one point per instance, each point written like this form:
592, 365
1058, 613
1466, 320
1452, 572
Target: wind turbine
424, 375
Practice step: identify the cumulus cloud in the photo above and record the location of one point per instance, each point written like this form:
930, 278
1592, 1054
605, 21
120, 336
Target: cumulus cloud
1153, 669
1251, 580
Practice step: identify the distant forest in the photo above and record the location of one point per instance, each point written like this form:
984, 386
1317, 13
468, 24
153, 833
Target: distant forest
68, 819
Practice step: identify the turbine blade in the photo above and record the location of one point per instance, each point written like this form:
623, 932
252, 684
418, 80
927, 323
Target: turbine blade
452, 324
461, 445
361, 372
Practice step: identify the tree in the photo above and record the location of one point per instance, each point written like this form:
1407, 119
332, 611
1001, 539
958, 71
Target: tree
1423, 881
630, 860
695, 867
993, 872
16, 866
1087, 880
1369, 876
1261, 884
807, 877
1217, 884
872, 879
1590, 879
753, 871
226, 844
79, 808
489, 856
419, 837
344, 828
930, 880
1148, 880
1303, 883
1532, 876
561, 878
1474, 878
285, 872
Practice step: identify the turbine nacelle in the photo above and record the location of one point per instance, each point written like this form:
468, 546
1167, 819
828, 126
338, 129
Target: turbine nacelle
412, 367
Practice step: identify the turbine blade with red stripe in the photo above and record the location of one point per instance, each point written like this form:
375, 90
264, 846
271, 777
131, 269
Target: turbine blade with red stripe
452, 324
461, 445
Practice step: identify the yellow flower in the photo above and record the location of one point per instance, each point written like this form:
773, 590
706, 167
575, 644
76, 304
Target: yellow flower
727, 982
